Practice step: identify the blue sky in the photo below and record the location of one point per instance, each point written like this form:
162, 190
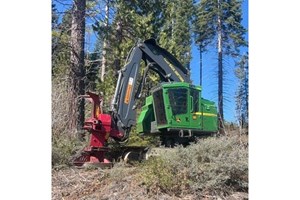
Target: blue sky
209, 78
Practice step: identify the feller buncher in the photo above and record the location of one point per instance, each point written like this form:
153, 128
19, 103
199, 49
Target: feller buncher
174, 111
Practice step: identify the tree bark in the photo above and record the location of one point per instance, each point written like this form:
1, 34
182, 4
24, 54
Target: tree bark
77, 71
220, 72
103, 65
200, 51
119, 38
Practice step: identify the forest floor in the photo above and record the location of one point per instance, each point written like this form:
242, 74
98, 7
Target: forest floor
122, 182
74, 183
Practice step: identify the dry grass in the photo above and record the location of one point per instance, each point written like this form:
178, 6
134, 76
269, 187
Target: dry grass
213, 165
73, 184
214, 168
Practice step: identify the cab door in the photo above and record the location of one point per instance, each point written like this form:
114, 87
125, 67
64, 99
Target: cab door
195, 113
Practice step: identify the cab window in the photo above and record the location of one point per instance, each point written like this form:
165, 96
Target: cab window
178, 100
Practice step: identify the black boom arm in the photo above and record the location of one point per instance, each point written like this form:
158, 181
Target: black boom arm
128, 90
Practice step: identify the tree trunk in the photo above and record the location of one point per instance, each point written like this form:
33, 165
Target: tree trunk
119, 38
246, 94
103, 66
77, 71
200, 49
220, 72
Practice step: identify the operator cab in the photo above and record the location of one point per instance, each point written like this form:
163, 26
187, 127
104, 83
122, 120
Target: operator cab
177, 107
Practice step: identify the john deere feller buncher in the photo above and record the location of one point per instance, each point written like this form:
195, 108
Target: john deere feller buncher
174, 111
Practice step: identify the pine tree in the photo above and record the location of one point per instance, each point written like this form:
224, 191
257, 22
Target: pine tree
77, 70
175, 35
93, 64
54, 19
105, 42
241, 73
61, 33
218, 22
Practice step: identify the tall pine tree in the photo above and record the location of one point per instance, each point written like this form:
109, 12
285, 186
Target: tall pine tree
77, 70
218, 22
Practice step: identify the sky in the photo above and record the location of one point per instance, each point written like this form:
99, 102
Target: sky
209, 81
209, 78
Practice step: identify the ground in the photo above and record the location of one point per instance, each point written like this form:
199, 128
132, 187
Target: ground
124, 182
73, 183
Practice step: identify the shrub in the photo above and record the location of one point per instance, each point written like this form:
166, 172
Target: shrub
213, 164
158, 179
63, 149
136, 139
65, 143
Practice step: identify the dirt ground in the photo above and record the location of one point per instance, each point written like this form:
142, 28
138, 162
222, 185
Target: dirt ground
111, 184
73, 183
